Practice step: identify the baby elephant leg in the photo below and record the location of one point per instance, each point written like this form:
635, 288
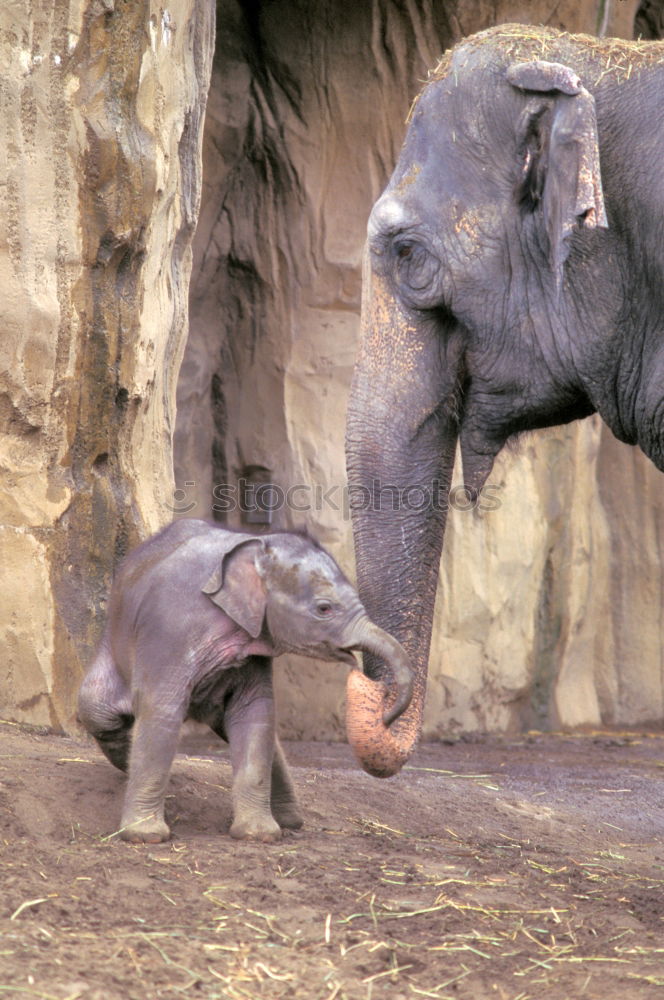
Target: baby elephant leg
104, 708
283, 800
153, 747
249, 724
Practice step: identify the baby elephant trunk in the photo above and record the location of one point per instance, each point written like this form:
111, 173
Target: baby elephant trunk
373, 706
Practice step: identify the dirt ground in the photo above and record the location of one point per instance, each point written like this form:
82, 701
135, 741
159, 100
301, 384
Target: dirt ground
508, 868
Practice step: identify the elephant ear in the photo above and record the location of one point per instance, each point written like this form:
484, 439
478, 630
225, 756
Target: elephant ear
236, 585
559, 152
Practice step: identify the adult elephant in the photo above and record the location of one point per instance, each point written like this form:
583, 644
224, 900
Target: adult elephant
510, 284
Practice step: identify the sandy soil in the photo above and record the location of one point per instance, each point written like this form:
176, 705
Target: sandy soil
515, 869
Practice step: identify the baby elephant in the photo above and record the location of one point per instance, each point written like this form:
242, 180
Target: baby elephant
195, 615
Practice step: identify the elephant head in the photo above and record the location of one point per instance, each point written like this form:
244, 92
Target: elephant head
287, 589
493, 293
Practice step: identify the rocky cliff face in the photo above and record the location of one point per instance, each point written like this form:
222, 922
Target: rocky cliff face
102, 106
550, 606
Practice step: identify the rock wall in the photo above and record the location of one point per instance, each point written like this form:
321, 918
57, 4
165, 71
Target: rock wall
550, 607
102, 105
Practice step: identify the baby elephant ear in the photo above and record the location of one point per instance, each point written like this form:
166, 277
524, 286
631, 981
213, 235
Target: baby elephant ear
236, 586
559, 150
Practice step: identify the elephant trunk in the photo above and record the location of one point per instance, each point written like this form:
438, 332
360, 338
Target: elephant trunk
371, 639
382, 730
401, 440
373, 707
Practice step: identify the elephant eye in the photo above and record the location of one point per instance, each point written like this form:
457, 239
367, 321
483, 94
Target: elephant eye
417, 267
324, 608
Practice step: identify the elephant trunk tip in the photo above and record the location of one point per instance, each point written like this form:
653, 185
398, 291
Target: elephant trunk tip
381, 751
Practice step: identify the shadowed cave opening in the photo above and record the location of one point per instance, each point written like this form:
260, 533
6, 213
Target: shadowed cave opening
294, 156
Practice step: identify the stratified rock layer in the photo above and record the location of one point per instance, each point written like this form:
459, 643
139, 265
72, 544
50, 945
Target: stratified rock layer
102, 106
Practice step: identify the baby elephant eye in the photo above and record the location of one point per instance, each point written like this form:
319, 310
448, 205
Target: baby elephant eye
324, 607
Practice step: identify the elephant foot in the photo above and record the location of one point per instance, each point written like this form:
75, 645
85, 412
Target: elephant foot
145, 831
287, 815
263, 829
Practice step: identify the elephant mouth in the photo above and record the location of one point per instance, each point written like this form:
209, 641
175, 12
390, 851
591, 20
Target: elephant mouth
345, 655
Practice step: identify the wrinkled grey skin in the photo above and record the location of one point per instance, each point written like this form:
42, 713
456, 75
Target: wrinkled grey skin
514, 279
195, 615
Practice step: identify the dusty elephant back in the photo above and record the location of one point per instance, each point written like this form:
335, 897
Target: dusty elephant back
600, 60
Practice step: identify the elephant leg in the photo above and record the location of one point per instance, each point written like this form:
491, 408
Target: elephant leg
104, 708
153, 747
250, 729
283, 800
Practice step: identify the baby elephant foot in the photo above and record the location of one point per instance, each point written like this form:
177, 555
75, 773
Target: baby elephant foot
261, 828
145, 831
287, 814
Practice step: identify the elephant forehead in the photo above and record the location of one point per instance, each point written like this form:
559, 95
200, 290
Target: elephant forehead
312, 570
409, 178
318, 569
